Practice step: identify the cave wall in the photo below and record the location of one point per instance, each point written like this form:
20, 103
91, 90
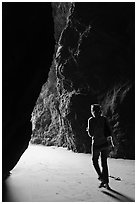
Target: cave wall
27, 37
93, 63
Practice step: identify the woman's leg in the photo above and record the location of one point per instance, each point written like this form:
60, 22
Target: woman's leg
104, 155
95, 157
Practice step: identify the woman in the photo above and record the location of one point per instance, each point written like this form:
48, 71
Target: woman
100, 131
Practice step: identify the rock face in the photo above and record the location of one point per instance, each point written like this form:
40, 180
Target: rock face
26, 61
93, 63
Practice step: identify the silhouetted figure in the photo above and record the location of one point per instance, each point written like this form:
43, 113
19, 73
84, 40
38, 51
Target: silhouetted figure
100, 131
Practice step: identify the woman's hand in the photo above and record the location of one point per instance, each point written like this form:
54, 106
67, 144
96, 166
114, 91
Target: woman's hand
109, 138
110, 141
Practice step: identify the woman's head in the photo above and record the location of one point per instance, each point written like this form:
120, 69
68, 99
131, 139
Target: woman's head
96, 110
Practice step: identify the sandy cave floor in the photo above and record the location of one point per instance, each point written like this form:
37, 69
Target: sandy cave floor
54, 174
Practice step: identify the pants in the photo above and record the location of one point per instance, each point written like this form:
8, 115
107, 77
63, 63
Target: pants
95, 157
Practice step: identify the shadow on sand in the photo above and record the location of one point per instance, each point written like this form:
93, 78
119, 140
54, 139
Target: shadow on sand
118, 196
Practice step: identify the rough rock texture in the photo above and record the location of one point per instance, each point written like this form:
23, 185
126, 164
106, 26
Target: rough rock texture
93, 63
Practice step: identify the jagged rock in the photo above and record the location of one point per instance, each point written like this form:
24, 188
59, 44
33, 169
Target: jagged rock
93, 63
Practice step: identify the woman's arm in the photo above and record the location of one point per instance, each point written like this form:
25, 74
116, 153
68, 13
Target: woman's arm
110, 137
87, 129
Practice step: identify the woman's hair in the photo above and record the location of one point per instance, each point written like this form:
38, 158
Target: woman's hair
95, 108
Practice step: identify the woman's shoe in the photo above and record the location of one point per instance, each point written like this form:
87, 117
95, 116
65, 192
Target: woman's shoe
104, 185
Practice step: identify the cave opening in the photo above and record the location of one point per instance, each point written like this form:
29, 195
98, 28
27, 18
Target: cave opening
27, 51
93, 63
